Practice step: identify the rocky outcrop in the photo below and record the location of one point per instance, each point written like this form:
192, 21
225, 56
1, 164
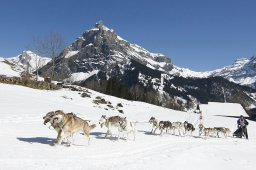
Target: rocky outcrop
100, 48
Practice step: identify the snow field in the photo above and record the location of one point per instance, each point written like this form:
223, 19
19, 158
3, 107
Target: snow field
25, 141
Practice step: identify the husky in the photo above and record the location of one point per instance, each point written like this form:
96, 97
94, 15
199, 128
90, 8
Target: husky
47, 118
188, 128
110, 122
207, 132
226, 132
201, 129
155, 124
165, 125
179, 126
69, 124
223, 130
126, 127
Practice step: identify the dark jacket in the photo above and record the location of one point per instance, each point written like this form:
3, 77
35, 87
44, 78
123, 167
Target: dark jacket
242, 122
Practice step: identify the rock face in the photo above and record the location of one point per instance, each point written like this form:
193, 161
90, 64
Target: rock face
103, 61
101, 49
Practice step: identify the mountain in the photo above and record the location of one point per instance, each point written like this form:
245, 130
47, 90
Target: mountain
242, 72
27, 61
28, 58
103, 61
101, 49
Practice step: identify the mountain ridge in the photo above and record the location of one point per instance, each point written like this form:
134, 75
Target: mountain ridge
103, 61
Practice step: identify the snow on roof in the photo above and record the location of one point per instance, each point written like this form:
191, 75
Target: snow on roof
223, 109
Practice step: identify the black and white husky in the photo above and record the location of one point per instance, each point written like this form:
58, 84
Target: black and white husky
189, 128
155, 124
165, 126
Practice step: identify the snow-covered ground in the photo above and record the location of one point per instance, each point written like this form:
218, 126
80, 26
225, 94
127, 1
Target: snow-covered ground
5, 69
25, 141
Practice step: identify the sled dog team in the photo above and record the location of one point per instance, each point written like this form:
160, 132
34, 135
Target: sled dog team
186, 128
68, 124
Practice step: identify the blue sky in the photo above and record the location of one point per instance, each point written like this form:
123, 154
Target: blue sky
197, 34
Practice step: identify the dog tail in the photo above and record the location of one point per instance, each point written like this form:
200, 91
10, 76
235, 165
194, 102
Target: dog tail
92, 126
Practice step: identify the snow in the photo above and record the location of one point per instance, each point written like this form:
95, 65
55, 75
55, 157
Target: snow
107, 29
25, 140
244, 80
239, 72
5, 69
20, 62
71, 53
231, 109
215, 108
120, 38
150, 66
185, 72
79, 76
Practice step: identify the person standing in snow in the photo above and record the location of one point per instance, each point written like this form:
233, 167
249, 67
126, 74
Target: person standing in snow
201, 117
242, 123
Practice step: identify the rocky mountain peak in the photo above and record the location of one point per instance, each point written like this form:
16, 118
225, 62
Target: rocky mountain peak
29, 58
100, 48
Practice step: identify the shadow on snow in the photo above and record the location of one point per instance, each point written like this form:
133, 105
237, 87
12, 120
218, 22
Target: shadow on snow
42, 140
101, 135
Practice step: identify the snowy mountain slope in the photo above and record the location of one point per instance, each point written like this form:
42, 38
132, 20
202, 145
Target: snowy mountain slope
25, 140
242, 72
28, 57
14, 66
185, 72
6, 69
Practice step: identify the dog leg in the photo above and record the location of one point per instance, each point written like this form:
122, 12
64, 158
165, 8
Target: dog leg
155, 130
87, 134
119, 133
57, 140
72, 138
68, 137
107, 133
152, 129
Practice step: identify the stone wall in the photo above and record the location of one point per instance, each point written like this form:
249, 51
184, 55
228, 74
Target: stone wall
24, 81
